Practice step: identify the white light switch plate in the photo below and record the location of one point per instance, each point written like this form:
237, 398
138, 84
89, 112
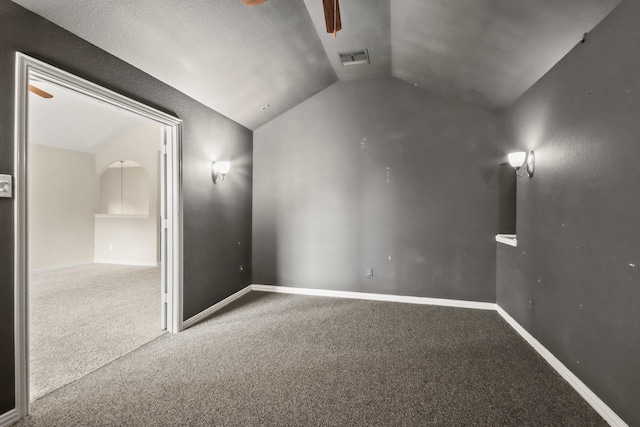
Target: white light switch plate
5, 186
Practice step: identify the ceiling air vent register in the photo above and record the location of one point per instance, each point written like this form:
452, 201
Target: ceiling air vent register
358, 57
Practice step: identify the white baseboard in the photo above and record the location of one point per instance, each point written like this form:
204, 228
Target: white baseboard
60, 267
133, 263
376, 297
8, 418
605, 412
589, 396
209, 311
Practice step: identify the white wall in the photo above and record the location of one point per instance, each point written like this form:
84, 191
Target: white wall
121, 240
124, 191
63, 196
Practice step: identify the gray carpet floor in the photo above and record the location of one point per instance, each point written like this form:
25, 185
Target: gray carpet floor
290, 360
84, 317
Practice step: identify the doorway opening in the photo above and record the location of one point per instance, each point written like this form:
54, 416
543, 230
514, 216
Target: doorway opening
44, 175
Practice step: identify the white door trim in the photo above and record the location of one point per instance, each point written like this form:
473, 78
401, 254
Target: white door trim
28, 67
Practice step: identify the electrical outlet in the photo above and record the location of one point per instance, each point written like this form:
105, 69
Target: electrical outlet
5, 186
369, 273
531, 305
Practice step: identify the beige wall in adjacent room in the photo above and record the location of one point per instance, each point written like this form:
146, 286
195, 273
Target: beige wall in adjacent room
63, 190
121, 240
124, 191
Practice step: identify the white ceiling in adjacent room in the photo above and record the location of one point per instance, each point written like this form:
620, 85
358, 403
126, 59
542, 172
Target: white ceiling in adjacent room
76, 122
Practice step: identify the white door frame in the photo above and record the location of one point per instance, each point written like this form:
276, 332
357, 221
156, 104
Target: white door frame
26, 68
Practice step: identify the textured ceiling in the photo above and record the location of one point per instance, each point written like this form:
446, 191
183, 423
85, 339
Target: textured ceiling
232, 58
76, 122
237, 59
486, 52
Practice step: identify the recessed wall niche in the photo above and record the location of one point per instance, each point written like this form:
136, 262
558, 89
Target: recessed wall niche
124, 189
507, 199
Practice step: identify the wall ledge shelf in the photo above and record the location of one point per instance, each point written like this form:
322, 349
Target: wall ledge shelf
121, 216
507, 239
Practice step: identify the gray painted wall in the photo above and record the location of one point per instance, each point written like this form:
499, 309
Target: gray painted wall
578, 219
377, 173
217, 230
326, 207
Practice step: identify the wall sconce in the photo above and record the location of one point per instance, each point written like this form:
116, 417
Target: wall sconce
219, 170
519, 159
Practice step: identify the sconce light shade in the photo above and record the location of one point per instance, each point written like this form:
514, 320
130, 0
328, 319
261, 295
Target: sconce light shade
519, 159
219, 170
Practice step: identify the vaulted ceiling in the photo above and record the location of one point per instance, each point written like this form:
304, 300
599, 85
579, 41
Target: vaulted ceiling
254, 63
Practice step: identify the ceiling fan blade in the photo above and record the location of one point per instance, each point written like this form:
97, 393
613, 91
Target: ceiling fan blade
40, 92
332, 16
252, 2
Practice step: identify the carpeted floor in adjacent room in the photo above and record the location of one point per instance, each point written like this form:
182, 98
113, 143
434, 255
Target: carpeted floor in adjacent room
84, 317
290, 360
